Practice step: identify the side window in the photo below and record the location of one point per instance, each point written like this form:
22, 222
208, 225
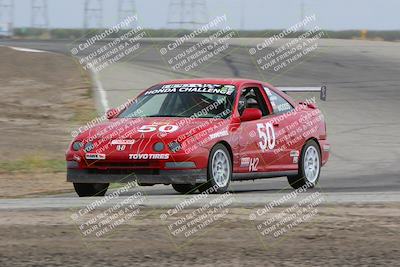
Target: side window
279, 104
252, 98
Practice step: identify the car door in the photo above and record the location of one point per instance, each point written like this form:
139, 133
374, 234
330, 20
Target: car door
287, 135
256, 142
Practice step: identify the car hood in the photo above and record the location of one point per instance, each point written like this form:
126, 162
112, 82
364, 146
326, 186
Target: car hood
131, 128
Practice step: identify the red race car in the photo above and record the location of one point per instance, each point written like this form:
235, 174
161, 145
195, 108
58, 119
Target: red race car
201, 134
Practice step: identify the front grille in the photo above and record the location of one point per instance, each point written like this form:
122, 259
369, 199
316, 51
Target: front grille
103, 164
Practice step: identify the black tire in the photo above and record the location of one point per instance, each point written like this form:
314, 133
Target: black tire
90, 189
184, 188
301, 179
144, 184
211, 181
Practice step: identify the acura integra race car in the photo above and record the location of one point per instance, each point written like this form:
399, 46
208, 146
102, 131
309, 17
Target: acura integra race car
200, 135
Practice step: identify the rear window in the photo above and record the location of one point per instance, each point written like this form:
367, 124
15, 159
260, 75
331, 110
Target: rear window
279, 104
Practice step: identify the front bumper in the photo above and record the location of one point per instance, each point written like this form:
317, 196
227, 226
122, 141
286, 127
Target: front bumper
192, 176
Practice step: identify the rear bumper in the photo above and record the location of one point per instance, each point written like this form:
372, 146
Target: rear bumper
325, 150
192, 176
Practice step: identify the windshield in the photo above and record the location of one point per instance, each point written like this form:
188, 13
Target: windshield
183, 100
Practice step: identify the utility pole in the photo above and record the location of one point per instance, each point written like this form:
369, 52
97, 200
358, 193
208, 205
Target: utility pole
93, 12
242, 16
6, 17
187, 13
39, 14
302, 12
126, 8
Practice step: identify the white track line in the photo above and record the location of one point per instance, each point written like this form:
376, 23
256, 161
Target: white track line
27, 50
95, 77
100, 89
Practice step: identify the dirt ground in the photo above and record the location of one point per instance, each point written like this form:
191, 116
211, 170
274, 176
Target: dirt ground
44, 96
351, 235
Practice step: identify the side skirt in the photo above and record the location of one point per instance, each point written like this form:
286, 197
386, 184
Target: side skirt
261, 175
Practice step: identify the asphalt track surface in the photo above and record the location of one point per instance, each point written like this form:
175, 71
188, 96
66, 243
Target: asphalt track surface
362, 110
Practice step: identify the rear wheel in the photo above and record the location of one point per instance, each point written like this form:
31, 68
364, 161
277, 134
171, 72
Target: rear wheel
90, 189
219, 170
309, 167
184, 188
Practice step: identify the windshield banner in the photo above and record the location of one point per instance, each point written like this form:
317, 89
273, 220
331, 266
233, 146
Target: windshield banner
193, 88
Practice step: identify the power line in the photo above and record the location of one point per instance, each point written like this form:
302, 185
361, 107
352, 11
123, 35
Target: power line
242, 14
7, 16
93, 12
302, 12
126, 8
39, 15
187, 13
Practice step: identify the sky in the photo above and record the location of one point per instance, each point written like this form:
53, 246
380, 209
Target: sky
241, 14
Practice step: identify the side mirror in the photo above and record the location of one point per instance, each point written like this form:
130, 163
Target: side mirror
111, 113
251, 114
312, 106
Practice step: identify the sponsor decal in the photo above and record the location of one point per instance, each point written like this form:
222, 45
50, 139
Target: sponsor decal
219, 134
253, 164
95, 156
326, 147
194, 88
120, 147
77, 158
244, 162
123, 142
295, 155
148, 156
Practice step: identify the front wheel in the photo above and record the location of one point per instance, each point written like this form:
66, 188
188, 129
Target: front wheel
219, 171
90, 189
309, 167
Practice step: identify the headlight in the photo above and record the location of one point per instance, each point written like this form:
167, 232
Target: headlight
77, 145
174, 146
89, 147
158, 147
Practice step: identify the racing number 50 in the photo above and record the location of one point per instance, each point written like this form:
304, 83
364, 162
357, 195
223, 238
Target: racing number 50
163, 128
267, 135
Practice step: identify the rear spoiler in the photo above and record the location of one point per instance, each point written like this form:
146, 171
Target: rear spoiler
321, 89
